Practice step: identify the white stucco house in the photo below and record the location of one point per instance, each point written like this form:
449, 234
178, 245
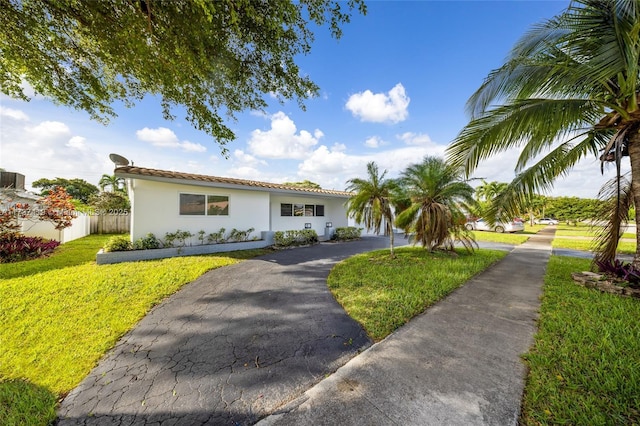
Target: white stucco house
164, 201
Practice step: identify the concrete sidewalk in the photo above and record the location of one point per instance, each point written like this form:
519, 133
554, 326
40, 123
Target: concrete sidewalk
457, 364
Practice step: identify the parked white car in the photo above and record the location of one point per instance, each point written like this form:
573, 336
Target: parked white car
482, 225
547, 221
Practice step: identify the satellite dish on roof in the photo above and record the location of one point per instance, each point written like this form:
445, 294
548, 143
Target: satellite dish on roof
118, 160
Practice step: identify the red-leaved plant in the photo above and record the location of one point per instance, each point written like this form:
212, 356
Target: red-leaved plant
15, 247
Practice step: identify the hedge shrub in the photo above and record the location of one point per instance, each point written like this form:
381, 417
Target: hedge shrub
118, 243
347, 233
295, 237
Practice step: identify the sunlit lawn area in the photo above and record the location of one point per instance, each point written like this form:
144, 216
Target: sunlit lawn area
61, 314
582, 231
585, 363
508, 238
383, 293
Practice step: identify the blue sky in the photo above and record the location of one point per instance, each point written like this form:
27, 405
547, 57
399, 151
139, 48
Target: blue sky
392, 90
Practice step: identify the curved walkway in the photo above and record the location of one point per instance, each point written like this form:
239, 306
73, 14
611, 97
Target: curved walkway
456, 364
228, 348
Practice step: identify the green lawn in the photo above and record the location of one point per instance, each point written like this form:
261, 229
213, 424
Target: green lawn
582, 231
383, 293
61, 314
506, 238
584, 368
624, 247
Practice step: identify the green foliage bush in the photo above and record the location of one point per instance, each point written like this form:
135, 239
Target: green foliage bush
296, 237
236, 235
118, 243
347, 233
147, 243
217, 237
179, 237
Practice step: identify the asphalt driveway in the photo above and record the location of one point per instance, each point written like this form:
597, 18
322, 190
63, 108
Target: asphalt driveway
230, 347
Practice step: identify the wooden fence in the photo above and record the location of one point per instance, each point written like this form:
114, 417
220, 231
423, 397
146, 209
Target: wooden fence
110, 224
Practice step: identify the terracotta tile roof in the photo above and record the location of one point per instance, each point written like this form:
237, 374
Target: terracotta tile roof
142, 173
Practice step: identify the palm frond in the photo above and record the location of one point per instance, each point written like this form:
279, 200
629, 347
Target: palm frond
535, 123
539, 177
617, 198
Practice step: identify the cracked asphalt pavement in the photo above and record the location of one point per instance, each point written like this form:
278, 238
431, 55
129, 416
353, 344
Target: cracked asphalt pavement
229, 348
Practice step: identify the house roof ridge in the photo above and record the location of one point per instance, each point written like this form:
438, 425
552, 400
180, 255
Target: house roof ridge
168, 174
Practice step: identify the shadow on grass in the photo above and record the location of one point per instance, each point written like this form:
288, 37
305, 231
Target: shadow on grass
24, 403
73, 253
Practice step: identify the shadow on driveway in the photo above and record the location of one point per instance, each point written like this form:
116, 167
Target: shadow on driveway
228, 348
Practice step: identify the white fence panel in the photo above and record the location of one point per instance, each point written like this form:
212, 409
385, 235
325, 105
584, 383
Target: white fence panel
79, 228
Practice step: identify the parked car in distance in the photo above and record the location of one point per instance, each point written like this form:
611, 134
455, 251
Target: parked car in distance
547, 221
482, 225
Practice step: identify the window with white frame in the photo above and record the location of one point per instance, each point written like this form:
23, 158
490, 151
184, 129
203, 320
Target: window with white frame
204, 205
287, 209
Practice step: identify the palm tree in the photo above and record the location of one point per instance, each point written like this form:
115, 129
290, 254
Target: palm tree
489, 190
569, 89
371, 204
439, 198
116, 183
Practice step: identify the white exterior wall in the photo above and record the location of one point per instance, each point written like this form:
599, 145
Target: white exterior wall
155, 209
80, 227
334, 212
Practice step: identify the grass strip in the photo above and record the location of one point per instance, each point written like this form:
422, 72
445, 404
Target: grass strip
382, 293
505, 238
624, 247
584, 367
582, 231
73, 253
57, 324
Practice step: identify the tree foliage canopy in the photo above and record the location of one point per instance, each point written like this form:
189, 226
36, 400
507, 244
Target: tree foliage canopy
372, 202
79, 189
214, 58
440, 198
304, 184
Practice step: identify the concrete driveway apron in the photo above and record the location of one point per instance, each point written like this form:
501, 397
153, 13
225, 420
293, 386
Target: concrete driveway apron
228, 348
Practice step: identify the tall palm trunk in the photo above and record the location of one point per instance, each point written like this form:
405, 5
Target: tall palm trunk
391, 235
634, 156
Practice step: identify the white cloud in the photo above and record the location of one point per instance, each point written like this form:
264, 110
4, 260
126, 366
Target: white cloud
374, 142
49, 149
14, 114
283, 140
166, 138
411, 138
77, 142
192, 147
161, 137
389, 107
246, 160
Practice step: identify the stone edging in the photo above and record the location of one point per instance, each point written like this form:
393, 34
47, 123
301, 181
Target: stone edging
103, 258
601, 283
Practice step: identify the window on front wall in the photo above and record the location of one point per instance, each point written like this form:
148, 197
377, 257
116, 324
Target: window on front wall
217, 205
301, 209
204, 205
286, 209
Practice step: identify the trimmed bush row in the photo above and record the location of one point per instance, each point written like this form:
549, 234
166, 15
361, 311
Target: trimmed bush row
176, 239
295, 237
347, 233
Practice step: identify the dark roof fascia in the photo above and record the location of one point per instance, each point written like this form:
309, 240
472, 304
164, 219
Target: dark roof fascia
238, 186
